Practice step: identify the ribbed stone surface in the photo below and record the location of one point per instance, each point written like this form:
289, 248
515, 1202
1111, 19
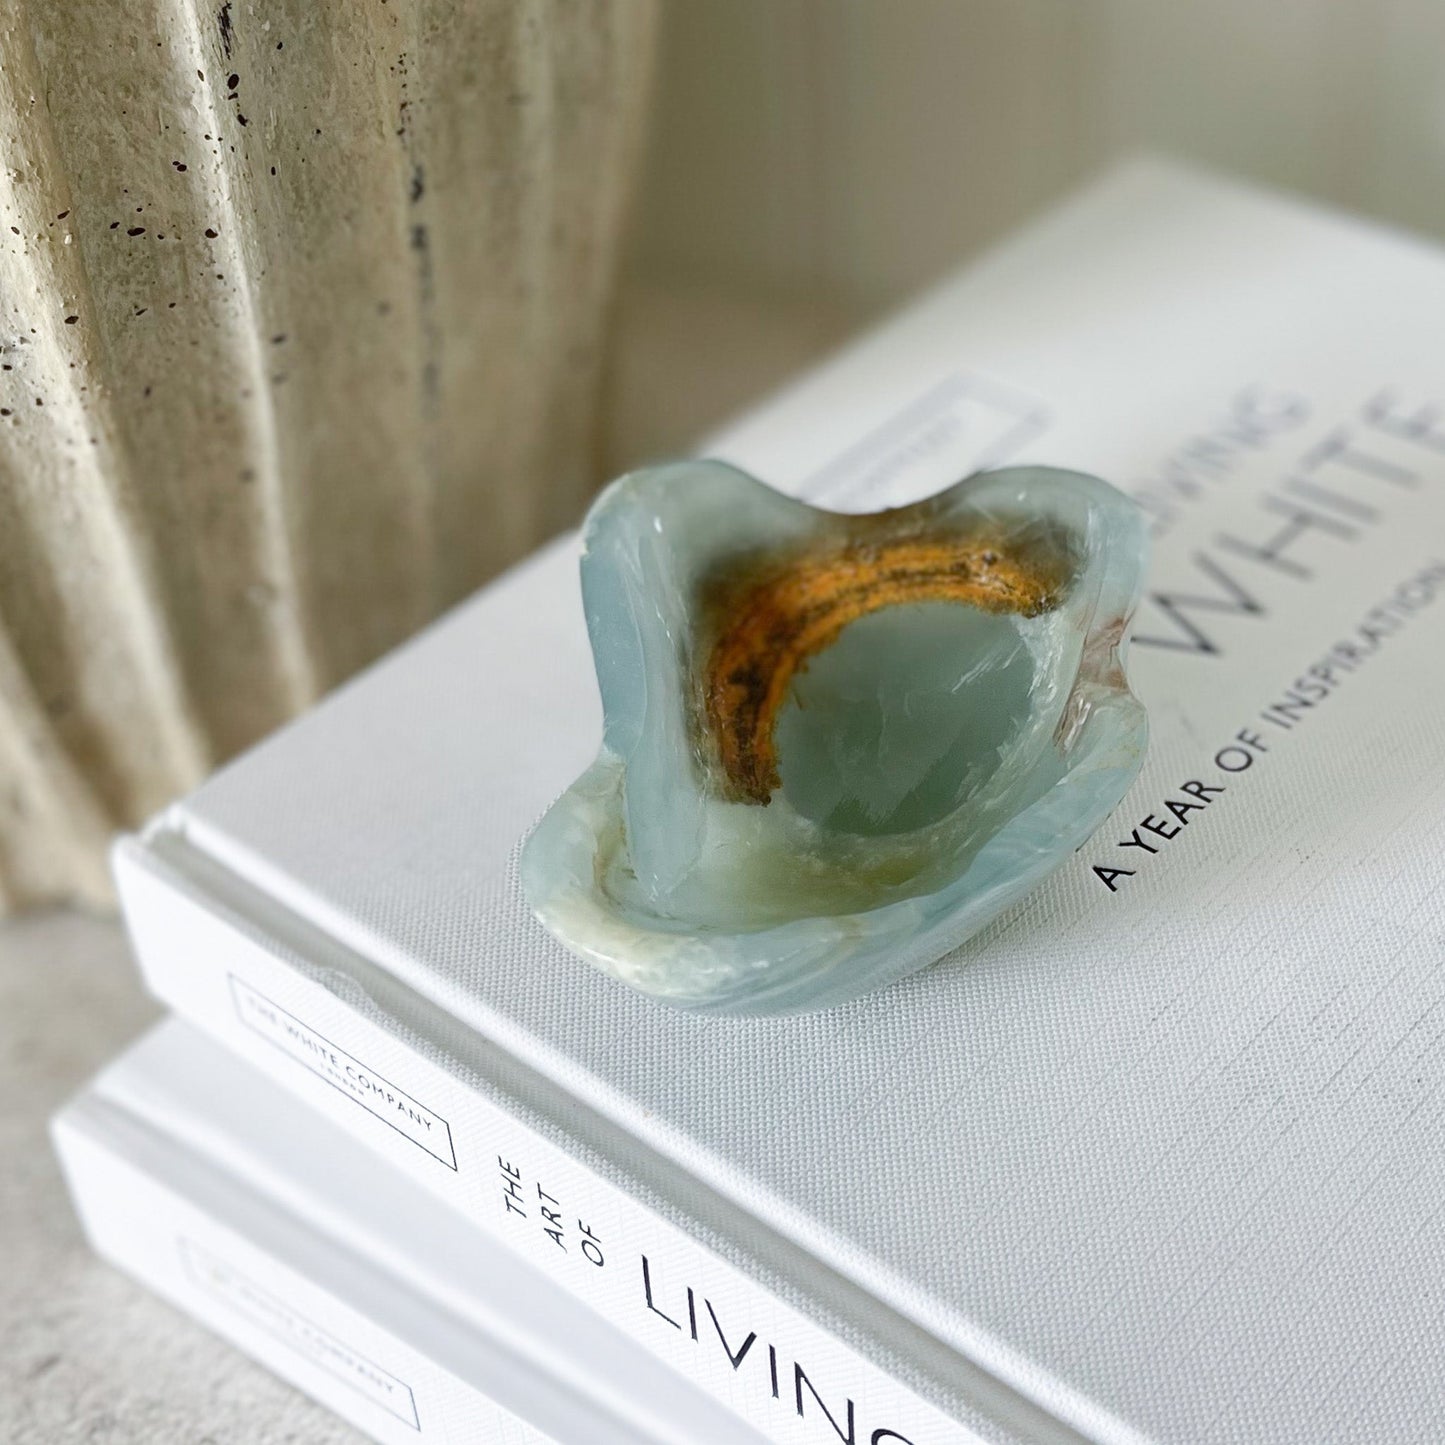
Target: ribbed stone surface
301, 315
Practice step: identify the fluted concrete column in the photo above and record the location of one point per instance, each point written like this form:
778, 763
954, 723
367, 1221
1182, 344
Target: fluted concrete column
301, 315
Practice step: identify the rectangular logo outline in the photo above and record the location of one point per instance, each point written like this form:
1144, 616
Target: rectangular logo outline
191, 1253
237, 984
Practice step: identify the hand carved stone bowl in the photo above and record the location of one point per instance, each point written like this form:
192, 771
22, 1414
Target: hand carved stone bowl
835, 746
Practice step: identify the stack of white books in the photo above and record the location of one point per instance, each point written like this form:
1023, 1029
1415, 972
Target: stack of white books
1158, 1157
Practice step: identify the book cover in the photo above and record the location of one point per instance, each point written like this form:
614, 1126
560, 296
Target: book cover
1153, 1159
198, 1176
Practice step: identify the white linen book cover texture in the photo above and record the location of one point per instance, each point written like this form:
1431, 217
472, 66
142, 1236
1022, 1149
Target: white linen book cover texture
197, 1175
1155, 1158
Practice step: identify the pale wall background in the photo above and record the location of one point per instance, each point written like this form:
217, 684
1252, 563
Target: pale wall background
859, 148
813, 161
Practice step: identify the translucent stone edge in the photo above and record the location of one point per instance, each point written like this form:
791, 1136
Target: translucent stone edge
819, 962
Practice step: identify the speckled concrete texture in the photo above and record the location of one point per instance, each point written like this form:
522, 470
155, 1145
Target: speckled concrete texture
303, 312
86, 1356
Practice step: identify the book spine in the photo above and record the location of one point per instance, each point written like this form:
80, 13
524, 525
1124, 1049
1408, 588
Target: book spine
343, 1358
781, 1371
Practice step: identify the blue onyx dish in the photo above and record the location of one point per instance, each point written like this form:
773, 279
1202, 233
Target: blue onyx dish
835, 746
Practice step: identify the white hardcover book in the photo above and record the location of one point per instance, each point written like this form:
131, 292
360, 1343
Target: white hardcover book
1156, 1157
204, 1180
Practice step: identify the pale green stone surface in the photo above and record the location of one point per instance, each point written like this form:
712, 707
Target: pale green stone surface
936, 762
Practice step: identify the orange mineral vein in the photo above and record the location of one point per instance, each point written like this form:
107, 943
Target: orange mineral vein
773, 627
